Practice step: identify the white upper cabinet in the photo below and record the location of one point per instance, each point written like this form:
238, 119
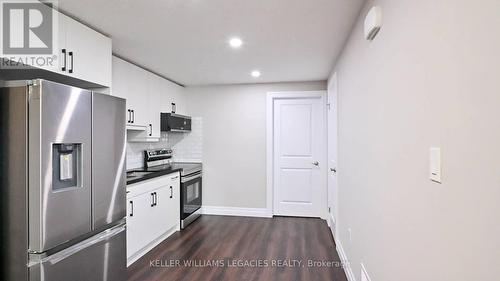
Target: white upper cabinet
174, 94
80, 52
88, 53
154, 104
129, 82
147, 95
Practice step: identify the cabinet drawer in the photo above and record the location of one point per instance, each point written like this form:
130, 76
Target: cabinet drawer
152, 184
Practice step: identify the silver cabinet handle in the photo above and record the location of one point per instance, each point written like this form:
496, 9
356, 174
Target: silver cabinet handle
315, 163
171, 192
131, 208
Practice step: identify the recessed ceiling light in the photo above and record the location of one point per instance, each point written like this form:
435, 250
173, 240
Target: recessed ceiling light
235, 42
255, 74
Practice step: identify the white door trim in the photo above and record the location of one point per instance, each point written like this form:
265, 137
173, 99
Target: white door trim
334, 217
271, 97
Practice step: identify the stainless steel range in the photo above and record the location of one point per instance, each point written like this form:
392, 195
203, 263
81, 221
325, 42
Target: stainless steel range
191, 181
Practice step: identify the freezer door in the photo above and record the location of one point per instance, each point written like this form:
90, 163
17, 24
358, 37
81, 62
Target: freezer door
108, 159
100, 258
59, 164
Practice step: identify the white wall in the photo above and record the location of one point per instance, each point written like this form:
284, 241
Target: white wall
430, 78
234, 140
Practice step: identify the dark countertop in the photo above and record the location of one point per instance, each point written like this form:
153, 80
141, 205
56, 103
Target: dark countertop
147, 175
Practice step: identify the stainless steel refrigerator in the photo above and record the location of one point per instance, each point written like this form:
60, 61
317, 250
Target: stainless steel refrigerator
62, 183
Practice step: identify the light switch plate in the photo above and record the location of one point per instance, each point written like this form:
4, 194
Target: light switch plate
435, 164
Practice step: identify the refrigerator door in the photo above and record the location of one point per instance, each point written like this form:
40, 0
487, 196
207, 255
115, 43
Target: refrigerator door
108, 159
59, 190
101, 257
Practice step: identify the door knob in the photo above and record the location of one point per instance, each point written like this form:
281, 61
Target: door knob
315, 163
333, 170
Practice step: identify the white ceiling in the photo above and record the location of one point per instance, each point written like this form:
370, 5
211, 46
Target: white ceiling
186, 40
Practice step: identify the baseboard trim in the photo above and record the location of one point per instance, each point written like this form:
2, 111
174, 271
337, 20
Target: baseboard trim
332, 224
345, 261
234, 211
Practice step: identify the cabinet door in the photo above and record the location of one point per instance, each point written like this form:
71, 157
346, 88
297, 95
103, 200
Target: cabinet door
62, 55
139, 222
161, 210
138, 89
89, 54
174, 212
155, 92
120, 81
59, 48
129, 83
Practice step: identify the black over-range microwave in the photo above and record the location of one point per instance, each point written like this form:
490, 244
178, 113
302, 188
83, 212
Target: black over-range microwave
171, 122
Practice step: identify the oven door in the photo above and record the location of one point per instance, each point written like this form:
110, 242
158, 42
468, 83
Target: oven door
191, 194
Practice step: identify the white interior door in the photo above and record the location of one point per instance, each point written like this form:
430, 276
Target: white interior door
299, 156
332, 150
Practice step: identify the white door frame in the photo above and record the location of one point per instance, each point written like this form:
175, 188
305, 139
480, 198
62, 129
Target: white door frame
271, 97
334, 216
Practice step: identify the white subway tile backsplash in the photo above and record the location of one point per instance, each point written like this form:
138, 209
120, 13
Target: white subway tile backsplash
187, 147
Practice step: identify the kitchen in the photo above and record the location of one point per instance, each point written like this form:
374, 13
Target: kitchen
115, 161
248, 140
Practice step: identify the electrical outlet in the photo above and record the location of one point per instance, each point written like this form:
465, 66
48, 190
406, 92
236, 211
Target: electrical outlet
364, 274
349, 231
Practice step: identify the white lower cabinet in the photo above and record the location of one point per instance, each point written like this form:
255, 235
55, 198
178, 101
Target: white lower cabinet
153, 213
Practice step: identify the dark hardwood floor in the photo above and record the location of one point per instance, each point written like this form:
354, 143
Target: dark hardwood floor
241, 248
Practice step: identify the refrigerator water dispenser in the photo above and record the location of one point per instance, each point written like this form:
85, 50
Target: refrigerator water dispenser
65, 165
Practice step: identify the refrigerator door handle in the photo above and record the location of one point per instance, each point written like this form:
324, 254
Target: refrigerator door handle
59, 256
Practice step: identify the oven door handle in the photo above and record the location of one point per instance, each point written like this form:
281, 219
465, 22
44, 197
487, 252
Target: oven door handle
186, 179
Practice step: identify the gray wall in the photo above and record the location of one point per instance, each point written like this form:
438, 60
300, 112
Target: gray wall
234, 140
430, 78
